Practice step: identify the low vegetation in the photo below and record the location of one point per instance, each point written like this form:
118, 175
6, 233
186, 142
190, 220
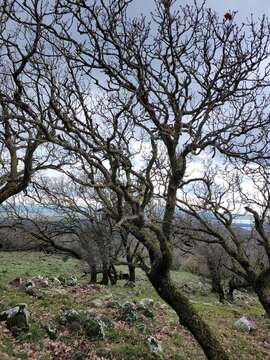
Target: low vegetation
48, 339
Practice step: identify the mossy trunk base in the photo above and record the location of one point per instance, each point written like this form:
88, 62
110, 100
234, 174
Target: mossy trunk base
188, 317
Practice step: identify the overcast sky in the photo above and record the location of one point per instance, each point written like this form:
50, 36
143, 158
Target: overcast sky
244, 7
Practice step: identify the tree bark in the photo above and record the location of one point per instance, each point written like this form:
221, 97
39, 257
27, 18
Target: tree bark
217, 286
93, 279
262, 289
188, 316
236, 284
112, 274
230, 292
214, 267
264, 298
105, 274
132, 273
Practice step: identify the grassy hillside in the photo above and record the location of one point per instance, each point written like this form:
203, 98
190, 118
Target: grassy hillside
125, 340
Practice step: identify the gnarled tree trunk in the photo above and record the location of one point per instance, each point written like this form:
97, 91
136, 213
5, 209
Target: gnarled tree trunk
264, 298
113, 274
218, 288
132, 275
216, 282
262, 289
188, 317
105, 274
236, 284
93, 274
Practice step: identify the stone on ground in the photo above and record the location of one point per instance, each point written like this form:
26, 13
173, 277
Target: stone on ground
17, 319
153, 345
104, 352
72, 281
128, 312
243, 324
147, 302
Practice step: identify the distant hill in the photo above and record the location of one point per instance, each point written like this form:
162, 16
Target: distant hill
244, 221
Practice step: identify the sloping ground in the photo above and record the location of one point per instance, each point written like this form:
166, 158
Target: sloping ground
123, 339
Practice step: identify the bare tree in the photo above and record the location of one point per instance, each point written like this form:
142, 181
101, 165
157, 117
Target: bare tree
80, 206
97, 242
60, 215
216, 262
132, 252
215, 201
45, 231
24, 149
210, 261
162, 95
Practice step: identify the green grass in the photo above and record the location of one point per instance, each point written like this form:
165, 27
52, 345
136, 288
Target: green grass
130, 352
23, 264
126, 341
6, 346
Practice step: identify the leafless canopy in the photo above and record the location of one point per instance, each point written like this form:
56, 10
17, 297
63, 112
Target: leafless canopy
134, 102
24, 149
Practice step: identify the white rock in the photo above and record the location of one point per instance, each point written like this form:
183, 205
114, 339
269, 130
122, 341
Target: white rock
56, 281
72, 281
44, 283
243, 324
17, 318
29, 283
10, 313
147, 302
153, 345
